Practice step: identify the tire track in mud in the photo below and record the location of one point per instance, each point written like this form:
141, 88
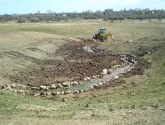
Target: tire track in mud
29, 58
18, 60
23, 56
35, 49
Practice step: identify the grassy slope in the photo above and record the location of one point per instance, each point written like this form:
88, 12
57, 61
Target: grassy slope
143, 104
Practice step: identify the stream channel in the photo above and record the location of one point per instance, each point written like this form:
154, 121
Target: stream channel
109, 77
115, 73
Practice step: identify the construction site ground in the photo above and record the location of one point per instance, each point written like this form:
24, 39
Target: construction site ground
45, 54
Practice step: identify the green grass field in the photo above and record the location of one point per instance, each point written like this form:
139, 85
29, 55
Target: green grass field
143, 104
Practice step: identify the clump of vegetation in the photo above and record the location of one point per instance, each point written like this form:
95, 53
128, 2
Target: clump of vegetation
21, 20
133, 106
34, 19
155, 105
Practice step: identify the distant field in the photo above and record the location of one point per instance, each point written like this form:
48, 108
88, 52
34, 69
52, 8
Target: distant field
140, 100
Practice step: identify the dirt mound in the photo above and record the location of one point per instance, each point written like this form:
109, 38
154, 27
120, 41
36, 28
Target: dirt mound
76, 65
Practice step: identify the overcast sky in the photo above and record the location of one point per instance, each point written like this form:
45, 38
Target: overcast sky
32, 6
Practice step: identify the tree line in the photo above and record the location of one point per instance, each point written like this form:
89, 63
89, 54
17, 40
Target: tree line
107, 14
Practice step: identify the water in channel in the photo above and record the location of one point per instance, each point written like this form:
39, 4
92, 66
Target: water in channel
114, 74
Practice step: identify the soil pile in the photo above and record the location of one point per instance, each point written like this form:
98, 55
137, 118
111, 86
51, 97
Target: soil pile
76, 65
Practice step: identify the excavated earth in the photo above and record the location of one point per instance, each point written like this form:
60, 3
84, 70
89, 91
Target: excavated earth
74, 64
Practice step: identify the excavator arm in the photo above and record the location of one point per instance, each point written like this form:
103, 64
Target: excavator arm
111, 36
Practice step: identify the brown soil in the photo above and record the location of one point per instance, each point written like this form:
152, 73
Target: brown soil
139, 68
76, 64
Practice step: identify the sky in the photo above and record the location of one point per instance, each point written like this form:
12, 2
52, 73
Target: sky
58, 6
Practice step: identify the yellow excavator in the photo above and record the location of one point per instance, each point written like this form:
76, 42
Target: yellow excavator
102, 35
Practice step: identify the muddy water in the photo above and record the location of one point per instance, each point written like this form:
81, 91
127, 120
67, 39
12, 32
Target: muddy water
116, 73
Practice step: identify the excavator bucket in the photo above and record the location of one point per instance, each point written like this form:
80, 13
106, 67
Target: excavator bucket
111, 36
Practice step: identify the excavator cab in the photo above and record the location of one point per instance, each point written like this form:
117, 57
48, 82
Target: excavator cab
102, 31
